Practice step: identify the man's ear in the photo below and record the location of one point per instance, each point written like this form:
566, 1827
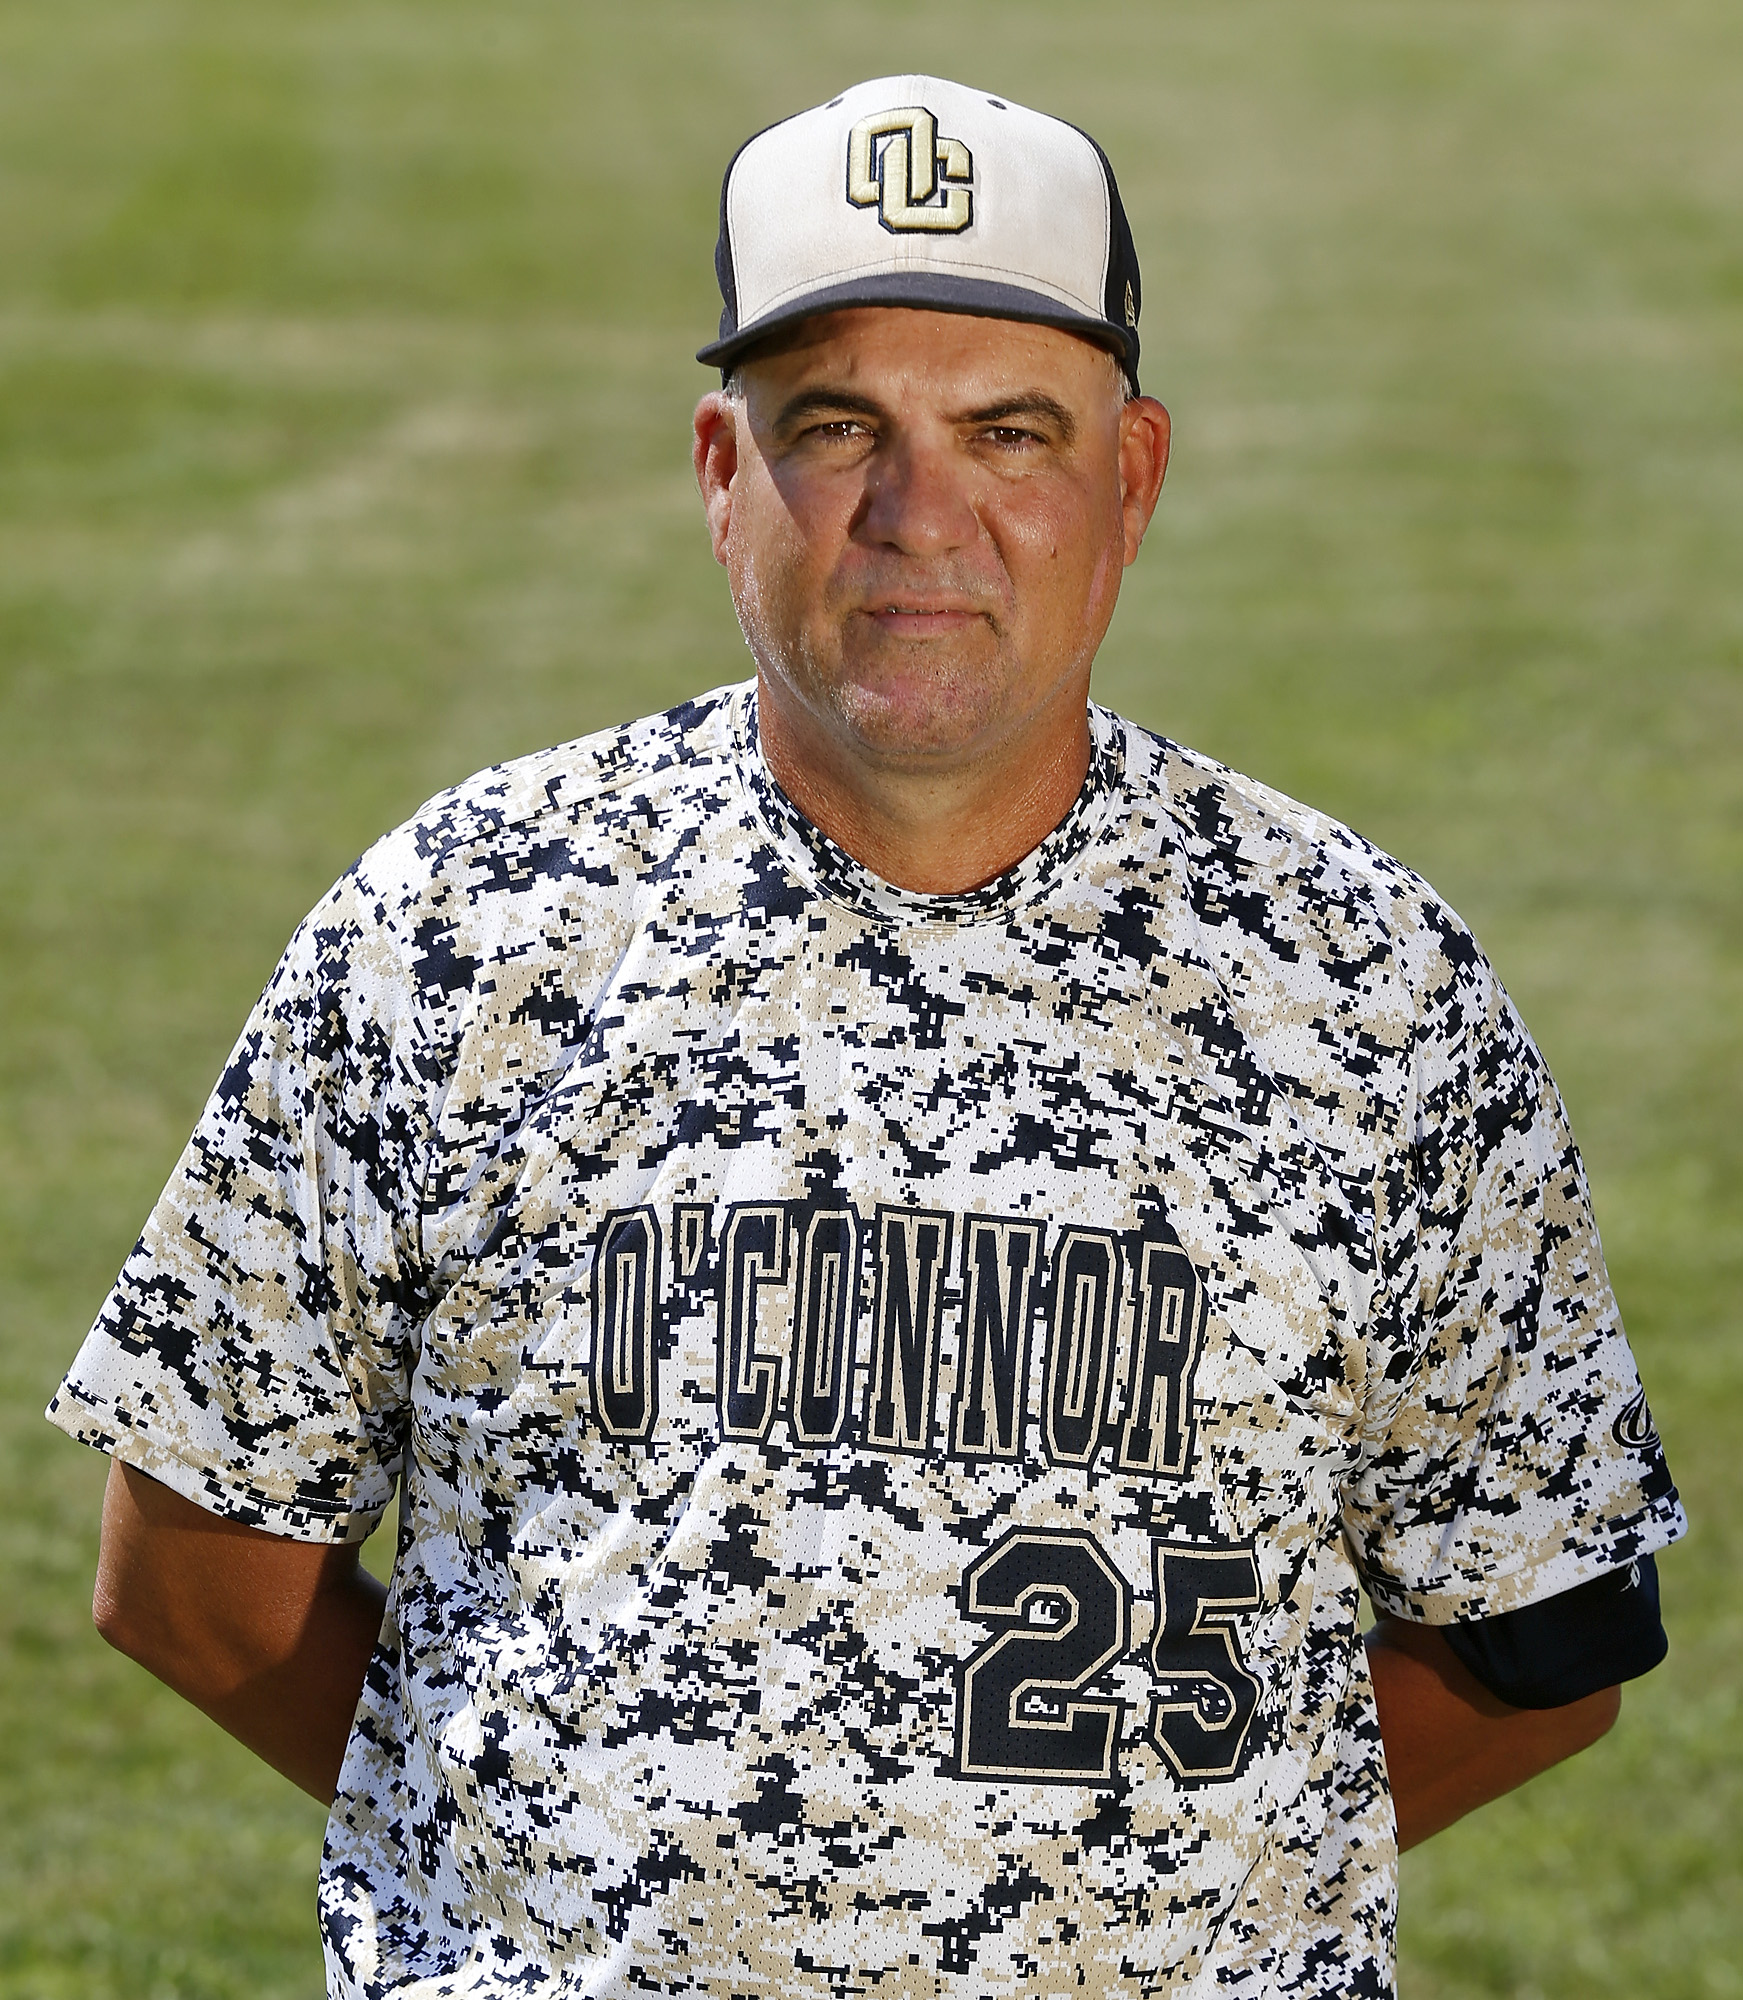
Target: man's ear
1144, 435
714, 453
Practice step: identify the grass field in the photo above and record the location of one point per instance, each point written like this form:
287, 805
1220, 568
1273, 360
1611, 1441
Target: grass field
344, 381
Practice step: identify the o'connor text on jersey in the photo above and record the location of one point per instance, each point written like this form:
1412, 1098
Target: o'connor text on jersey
834, 1326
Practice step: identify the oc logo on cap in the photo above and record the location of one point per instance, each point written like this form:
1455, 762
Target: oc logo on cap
901, 177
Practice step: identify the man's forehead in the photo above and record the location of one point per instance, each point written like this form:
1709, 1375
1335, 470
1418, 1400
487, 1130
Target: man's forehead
902, 346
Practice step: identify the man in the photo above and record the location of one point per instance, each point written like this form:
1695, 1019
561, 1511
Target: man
908, 1246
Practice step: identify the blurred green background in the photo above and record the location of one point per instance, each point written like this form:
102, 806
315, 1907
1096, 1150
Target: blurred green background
344, 381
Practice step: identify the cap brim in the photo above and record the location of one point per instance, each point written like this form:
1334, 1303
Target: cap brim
938, 292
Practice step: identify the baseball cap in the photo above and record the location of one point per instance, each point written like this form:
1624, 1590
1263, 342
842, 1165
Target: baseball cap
913, 191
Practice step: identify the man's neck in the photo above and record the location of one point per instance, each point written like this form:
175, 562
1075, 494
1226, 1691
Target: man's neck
935, 827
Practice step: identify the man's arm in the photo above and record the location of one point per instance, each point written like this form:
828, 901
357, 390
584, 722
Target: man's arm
1451, 1745
271, 1638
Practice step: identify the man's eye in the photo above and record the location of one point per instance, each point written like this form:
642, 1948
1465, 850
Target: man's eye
1010, 437
837, 430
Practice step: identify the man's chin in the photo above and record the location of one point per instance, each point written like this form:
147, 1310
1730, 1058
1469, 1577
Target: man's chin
920, 700
919, 720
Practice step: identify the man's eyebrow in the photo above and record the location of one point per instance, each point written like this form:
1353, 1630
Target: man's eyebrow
822, 401
1031, 403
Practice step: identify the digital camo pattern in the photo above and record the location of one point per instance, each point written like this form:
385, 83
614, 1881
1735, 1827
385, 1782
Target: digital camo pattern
894, 1394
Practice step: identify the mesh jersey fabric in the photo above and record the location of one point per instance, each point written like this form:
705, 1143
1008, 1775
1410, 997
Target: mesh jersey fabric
892, 1396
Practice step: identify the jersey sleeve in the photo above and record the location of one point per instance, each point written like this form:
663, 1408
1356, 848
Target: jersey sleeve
256, 1352
1509, 1454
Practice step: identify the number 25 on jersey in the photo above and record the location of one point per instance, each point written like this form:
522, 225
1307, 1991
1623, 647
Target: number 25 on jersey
1061, 1614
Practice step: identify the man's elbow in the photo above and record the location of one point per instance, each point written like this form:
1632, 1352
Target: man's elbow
1545, 1737
167, 1593
1581, 1723
111, 1615
131, 1617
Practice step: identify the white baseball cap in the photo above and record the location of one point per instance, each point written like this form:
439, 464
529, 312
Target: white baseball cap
911, 191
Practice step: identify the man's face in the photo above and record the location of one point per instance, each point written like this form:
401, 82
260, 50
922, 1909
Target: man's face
925, 517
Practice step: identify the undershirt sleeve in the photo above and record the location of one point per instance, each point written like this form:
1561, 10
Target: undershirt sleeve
1563, 1648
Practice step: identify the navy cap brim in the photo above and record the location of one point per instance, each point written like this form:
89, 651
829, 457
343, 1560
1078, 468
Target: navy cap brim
938, 292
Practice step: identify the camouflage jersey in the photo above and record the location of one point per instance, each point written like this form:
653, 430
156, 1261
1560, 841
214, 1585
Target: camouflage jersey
891, 1396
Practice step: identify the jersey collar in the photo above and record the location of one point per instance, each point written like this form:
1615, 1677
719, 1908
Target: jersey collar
816, 860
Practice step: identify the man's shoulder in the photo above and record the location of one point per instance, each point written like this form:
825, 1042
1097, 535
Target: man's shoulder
1268, 867
533, 861
506, 823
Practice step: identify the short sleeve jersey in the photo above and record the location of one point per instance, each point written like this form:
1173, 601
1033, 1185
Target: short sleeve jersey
892, 1397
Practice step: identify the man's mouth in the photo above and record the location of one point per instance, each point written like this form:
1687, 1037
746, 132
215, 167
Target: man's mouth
907, 620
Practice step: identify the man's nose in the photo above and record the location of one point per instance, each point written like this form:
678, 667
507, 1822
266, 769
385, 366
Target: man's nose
917, 499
